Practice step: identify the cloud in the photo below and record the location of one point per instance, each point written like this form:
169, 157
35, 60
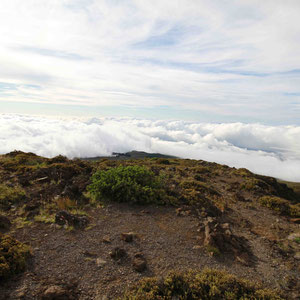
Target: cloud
269, 150
226, 59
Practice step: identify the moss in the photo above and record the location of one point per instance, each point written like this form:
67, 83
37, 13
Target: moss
13, 256
192, 285
10, 196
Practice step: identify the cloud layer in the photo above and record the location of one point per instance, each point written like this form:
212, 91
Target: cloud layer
231, 60
268, 150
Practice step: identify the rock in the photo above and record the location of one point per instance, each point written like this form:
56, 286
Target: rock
219, 236
197, 247
295, 220
293, 236
139, 263
297, 256
4, 222
56, 292
65, 218
117, 253
127, 237
100, 262
106, 239
21, 293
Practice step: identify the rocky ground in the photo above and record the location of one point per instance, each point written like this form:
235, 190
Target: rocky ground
87, 250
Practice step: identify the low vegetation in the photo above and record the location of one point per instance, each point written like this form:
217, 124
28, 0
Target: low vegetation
192, 285
131, 184
280, 205
13, 256
10, 196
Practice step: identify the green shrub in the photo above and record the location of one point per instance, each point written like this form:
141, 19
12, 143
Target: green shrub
13, 255
10, 195
192, 285
132, 184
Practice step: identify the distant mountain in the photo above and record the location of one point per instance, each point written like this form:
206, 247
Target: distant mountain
130, 155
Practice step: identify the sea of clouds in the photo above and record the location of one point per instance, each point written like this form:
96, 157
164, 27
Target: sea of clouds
268, 150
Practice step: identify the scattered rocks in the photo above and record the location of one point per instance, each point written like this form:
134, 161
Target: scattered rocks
56, 292
139, 263
117, 253
65, 218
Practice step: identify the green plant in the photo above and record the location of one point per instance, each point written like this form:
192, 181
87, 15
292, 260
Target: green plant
193, 285
132, 184
10, 195
13, 255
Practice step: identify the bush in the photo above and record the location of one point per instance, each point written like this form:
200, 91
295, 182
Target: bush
13, 255
132, 184
10, 196
192, 285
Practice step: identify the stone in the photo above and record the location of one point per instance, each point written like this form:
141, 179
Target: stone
197, 247
56, 292
293, 236
139, 263
106, 239
100, 262
127, 237
297, 256
295, 220
117, 253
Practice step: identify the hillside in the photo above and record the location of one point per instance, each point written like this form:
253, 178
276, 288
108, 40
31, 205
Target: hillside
93, 228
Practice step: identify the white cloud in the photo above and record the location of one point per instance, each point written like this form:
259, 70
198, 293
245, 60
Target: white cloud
269, 150
225, 58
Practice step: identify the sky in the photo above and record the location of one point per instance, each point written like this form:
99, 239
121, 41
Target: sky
217, 80
195, 60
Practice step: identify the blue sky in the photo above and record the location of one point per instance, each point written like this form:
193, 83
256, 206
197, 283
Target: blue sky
198, 60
